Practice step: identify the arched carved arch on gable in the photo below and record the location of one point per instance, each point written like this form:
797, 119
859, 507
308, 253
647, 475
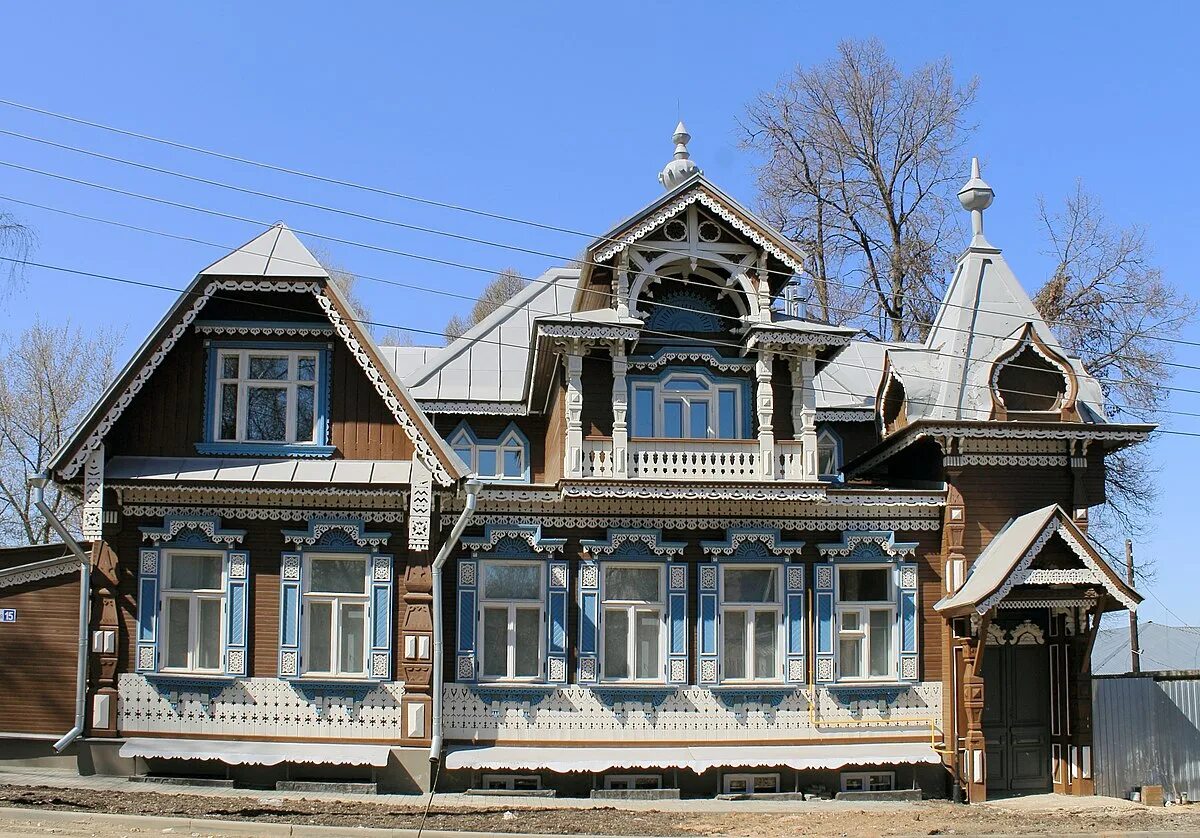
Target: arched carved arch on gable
1031, 379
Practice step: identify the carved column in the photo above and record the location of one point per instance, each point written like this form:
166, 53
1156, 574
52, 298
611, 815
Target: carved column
416, 622
622, 296
620, 400
975, 756
105, 640
573, 456
1079, 495
803, 367
764, 288
766, 414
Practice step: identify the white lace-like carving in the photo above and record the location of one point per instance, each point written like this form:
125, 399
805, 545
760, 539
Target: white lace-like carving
716, 206
850, 414
717, 362
770, 540
257, 329
259, 513
42, 570
481, 408
586, 331
928, 524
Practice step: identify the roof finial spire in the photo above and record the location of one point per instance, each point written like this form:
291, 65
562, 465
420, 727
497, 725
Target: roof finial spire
976, 196
682, 166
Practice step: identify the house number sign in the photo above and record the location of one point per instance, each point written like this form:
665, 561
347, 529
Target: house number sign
8, 615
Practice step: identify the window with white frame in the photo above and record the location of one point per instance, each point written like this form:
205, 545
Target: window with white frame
504, 458
751, 622
829, 454
869, 781
632, 621
688, 405
630, 782
193, 609
751, 783
866, 616
510, 620
264, 395
335, 615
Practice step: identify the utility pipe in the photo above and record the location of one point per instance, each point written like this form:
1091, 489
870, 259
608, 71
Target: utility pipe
38, 484
435, 743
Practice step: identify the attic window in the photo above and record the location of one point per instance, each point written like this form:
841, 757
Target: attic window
1028, 382
266, 398
893, 403
503, 458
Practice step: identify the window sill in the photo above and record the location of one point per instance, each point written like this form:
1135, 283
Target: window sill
266, 449
764, 686
867, 685
166, 677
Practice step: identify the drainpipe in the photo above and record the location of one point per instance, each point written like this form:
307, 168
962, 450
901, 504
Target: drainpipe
38, 483
435, 744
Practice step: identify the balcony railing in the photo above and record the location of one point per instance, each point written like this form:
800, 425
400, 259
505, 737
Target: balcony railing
694, 459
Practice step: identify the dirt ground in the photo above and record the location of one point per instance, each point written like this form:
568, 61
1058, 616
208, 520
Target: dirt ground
927, 818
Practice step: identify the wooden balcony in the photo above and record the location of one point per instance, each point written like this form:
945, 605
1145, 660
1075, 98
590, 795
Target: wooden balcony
693, 459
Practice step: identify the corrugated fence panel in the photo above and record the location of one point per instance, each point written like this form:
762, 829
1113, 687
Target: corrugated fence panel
1147, 732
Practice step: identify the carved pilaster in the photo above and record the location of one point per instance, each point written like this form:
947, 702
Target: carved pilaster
764, 288
765, 399
974, 771
1079, 494
622, 301
105, 640
804, 409
93, 495
620, 399
954, 525
420, 507
573, 457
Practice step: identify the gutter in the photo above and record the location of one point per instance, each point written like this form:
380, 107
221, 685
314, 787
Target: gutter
435, 743
38, 483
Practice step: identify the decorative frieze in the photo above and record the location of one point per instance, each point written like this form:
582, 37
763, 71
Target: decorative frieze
264, 707
926, 524
666, 714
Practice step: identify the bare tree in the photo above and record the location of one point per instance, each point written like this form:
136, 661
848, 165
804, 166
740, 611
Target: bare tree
346, 282
861, 164
495, 294
49, 378
1110, 305
16, 243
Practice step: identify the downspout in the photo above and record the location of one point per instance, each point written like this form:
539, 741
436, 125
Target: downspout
38, 483
435, 743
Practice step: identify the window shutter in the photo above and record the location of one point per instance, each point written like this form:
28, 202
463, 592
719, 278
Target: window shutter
556, 637
237, 591
468, 580
381, 617
797, 671
826, 634
149, 563
677, 661
589, 606
290, 570
908, 667
709, 611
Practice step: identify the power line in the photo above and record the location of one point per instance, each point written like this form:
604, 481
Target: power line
464, 266
434, 231
379, 324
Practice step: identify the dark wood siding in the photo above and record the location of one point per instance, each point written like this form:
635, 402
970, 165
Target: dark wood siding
38, 655
491, 427
597, 395
995, 495
166, 419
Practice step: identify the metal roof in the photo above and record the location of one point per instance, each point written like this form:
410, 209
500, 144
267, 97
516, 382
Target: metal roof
1163, 649
489, 363
851, 379
277, 252
258, 470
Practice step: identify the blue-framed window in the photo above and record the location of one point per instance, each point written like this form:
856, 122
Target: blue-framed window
511, 616
267, 398
504, 458
689, 403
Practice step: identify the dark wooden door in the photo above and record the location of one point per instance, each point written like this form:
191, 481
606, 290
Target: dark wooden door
1016, 718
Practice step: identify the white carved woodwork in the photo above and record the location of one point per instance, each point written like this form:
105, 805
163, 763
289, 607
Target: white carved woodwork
573, 457
765, 400
620, 400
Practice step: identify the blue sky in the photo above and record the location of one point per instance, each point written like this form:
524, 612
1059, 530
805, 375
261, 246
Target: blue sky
545, 112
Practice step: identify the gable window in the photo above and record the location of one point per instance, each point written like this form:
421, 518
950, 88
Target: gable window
689, 405
510, 617
751, 621
265, 397
866, 616
503, 458
633, 616
193, 609
829, 454
335, 615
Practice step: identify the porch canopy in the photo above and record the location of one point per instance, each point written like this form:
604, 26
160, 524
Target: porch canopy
696, 758
258, 753
1038, 559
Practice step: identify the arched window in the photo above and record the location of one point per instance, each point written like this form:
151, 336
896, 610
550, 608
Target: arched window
1029, 382
691, 404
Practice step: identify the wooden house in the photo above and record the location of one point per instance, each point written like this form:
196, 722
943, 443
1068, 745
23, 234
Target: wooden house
643, 527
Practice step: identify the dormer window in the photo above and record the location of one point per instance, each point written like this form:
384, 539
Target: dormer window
503, 458
689, 404
267, 399
829, 455
1032, 381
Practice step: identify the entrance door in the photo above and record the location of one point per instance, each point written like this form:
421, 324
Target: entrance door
1016, 712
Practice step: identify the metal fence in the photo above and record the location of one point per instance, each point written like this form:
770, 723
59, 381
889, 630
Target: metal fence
1147, 732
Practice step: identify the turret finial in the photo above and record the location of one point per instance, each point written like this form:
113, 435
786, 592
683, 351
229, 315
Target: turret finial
976, 196
682, 166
